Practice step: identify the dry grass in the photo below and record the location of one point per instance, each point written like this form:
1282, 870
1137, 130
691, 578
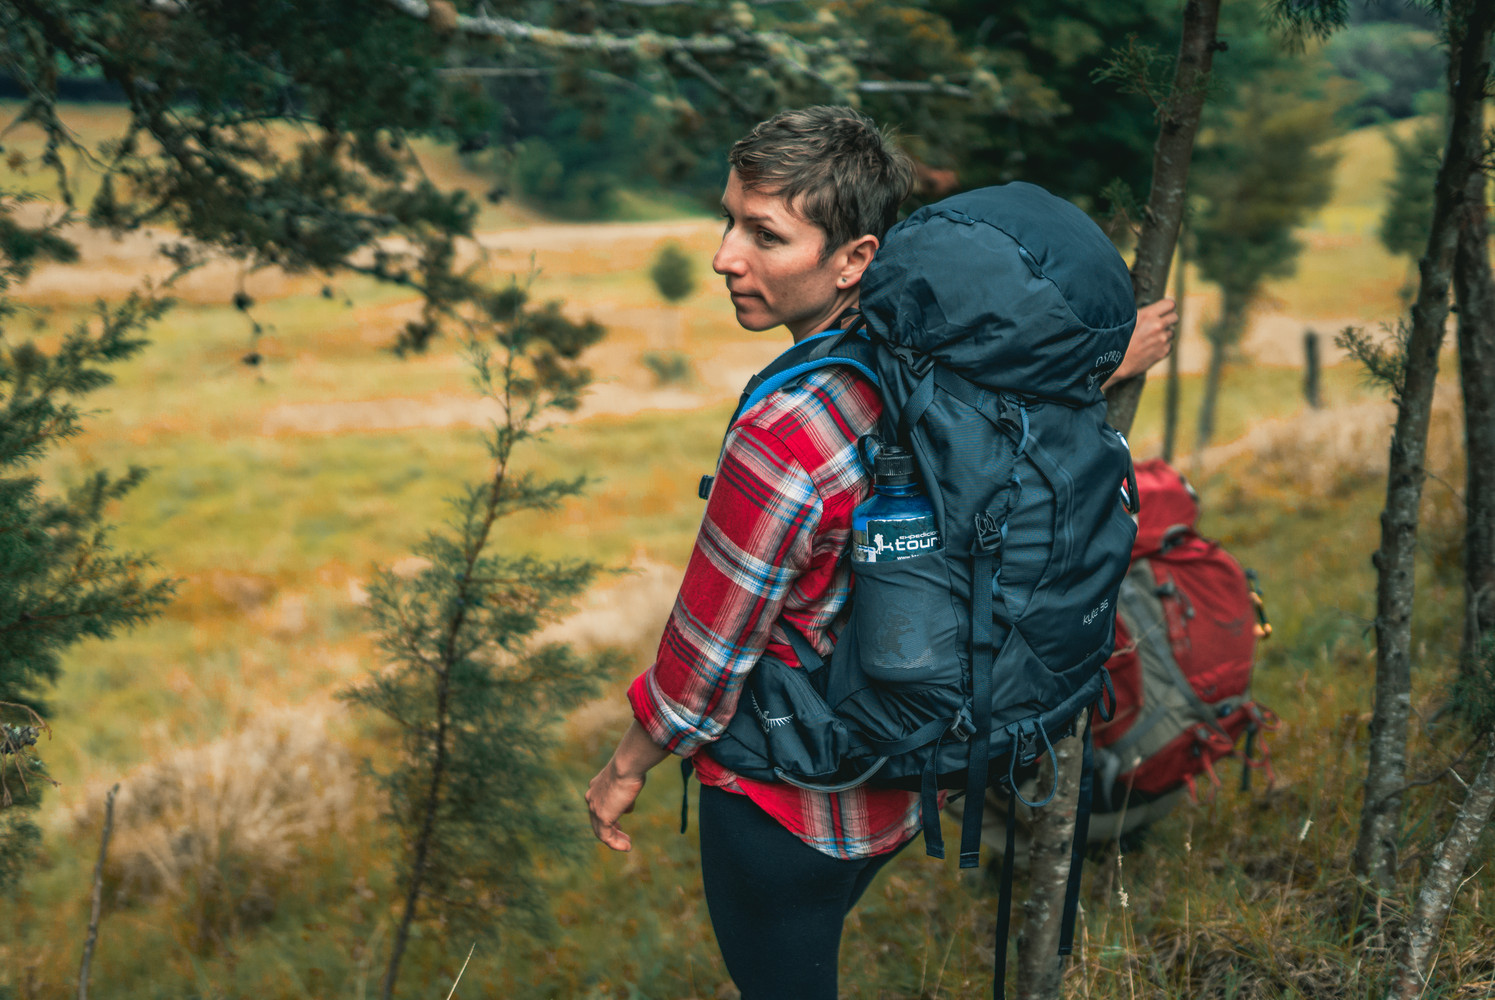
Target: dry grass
275, 488
217, 830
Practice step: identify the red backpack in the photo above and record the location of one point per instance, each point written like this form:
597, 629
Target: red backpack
1188, 618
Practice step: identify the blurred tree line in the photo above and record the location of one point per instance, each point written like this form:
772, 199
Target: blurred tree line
569, 141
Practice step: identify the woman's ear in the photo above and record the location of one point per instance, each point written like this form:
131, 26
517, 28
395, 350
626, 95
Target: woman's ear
855, 256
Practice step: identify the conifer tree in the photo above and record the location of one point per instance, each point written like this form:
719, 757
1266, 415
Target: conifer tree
1261, 180
673, 274
472, 697
60, 580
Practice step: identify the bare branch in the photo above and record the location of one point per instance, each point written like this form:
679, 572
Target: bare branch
777, 46
98, 894
522, 72
913, 87
493, 26
694, 68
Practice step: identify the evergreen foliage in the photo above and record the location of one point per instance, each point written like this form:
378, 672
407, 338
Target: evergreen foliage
1409, 194
1066, 128
673, 272
472, 697
1393, 66
1262, 176
60, 580
1258, 181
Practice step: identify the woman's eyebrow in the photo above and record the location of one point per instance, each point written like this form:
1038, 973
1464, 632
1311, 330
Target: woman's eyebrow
746, 218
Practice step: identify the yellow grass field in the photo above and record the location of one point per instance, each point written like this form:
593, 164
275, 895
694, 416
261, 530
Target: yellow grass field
248, 859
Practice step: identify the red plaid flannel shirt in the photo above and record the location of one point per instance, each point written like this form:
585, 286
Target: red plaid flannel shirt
769, 552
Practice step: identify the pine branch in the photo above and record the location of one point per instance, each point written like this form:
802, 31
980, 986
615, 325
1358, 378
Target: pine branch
770, 45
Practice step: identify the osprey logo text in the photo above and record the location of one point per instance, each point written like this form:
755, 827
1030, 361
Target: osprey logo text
768, 721
1104, 366
1095, 613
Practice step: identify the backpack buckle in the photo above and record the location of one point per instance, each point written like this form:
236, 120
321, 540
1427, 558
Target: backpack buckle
964, 727
988, 533
918, 363
1025, 745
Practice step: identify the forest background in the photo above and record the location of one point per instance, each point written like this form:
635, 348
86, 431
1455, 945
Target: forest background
305, 405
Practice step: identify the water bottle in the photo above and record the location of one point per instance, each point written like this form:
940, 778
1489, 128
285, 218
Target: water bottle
897, 520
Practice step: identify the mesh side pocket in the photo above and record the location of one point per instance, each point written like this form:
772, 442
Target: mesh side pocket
905, 625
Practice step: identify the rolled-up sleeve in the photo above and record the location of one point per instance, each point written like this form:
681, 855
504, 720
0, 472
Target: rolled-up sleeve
755, 540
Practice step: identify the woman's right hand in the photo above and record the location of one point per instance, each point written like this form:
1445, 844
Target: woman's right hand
610, 796
612, 793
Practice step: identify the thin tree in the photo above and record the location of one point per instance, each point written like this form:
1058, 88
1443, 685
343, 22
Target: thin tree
1040, 967
473, 700
1170, 397
1474, 288
1178, 123
61, 582
1268, 175
1412, 373
1412, 963
673, 274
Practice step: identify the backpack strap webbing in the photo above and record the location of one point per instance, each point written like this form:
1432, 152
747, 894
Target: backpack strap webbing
1077, 846
833, 347
1004, 900
810, 660
982, 563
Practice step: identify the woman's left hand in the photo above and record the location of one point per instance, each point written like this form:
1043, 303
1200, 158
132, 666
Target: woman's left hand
1152, 340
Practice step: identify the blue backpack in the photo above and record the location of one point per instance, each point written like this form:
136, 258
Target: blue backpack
989, 322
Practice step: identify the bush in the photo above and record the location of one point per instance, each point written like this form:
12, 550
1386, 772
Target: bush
217, 829
669, 367
538, 174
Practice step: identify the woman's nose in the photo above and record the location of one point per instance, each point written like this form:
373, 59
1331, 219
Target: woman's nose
728, 260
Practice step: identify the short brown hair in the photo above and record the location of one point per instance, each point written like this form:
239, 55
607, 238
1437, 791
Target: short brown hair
833, 164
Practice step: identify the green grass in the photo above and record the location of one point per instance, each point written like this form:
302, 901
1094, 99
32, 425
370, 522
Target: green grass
272, 524
1260, 903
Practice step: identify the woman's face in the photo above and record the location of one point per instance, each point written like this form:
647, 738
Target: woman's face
770, 256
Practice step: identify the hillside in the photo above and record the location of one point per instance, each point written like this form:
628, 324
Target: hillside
260, 868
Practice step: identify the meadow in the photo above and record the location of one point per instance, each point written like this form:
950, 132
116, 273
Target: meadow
248, 858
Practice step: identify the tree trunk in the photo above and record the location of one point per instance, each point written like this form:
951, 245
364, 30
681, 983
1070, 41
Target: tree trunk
1311, 391
1039, 967
1170, 397
1170, 181
1419, 943
1380, 818
1474, 288
1226, 332
1207, 402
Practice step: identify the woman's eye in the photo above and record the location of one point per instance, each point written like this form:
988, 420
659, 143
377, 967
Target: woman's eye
766, 237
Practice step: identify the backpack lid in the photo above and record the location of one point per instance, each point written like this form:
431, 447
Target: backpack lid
1169, 504
1009, 287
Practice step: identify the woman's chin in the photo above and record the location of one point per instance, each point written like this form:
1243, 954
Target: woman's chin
755, 320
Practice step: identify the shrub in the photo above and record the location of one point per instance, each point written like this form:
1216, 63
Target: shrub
217, 829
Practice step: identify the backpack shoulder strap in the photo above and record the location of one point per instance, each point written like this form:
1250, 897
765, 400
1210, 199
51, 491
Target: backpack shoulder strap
834, 347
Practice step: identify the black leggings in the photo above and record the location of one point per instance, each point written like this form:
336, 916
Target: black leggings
777, 904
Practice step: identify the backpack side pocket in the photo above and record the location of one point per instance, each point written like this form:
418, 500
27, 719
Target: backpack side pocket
906, 628
782, 723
